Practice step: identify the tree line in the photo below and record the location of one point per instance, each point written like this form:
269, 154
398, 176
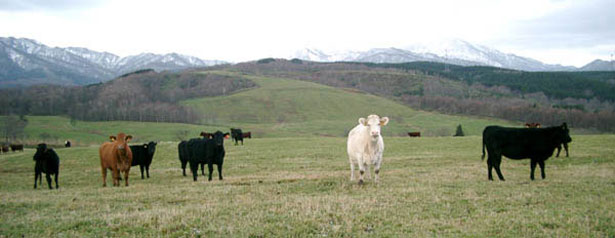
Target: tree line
141, 96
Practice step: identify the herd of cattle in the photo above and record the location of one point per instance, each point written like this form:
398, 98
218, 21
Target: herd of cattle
365, 147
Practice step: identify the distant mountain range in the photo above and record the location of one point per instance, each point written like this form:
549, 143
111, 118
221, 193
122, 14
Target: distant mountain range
456, 51
27, 62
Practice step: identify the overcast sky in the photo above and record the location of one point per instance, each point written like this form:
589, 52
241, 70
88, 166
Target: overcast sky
553, 31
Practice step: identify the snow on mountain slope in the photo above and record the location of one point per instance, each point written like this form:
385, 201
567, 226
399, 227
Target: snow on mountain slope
26, 61
446, 51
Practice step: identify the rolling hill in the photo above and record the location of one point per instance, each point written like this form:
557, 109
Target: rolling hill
288, 107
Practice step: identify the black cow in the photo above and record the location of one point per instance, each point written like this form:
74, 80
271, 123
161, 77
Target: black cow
237, 135
16, 147
207, 151
142, 155
184, 156
536, 144
67, 144
5, 148
48, 162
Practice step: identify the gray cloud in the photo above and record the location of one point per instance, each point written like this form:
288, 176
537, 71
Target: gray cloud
586, 24
51, 5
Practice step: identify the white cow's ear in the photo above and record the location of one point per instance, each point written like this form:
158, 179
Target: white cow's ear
362, 121
384, 121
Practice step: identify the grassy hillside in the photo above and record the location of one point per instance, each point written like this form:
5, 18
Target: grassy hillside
299, 187
283, 107
59, 129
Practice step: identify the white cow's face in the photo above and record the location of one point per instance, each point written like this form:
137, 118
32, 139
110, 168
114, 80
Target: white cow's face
373, 122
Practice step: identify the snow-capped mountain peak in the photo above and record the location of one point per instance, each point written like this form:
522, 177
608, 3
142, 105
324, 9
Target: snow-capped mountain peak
453, 51
25, 59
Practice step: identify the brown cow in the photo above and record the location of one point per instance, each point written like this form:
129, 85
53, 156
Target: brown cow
532, 125
414, 134
117, 157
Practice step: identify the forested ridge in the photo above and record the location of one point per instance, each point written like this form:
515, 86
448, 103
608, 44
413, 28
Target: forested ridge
140, 96
559, 85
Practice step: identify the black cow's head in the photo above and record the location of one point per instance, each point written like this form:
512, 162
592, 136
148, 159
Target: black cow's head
563, 134
218, 138
41, 149
151, 147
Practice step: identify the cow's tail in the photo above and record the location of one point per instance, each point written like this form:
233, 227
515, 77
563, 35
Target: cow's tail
483, 157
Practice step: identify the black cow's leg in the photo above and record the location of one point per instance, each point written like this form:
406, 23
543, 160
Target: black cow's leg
542, 169
194, 168
497, 170
210, 166
48, 177
566, 148
141, 168
220, 171
489, 168
184, 167
532, 168
35, 178
56, 178
147, 170
203, 169
495, 161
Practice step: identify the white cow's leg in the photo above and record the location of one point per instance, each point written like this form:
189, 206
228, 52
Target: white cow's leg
376, 171
361, 168
367, 172
351, 171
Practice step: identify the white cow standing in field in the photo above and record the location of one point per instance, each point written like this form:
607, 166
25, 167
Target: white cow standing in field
365, 145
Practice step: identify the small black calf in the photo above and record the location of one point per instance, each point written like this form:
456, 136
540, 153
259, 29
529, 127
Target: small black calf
142, 155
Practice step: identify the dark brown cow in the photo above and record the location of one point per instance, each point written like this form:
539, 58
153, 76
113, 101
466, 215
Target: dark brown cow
117, 157
532, 125
414, 134
207, 135
5, 148
247, 135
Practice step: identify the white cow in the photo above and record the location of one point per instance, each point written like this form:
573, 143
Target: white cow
365, 145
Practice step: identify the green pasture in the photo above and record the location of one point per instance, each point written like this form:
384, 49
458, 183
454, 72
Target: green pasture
299, 187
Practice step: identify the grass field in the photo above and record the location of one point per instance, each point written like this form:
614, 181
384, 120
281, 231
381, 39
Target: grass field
87, 133
299, 187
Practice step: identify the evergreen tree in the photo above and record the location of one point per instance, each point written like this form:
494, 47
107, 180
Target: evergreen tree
459, 131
